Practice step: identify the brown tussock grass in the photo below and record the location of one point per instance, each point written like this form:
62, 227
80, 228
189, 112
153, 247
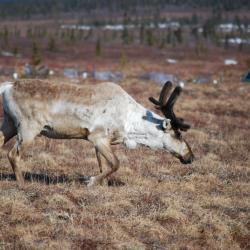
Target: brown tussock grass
153, 201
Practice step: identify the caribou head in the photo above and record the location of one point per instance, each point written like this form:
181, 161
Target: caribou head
173, 125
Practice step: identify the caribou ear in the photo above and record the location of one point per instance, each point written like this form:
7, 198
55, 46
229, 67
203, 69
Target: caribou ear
166, 124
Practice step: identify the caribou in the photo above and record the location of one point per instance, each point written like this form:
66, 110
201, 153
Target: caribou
103, 114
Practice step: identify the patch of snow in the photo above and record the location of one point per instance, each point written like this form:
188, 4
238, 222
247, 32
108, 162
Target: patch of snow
114, 27
118, 27
167, 25
28, 70
229, 27
181, 84
75, 27
15, 76
248, 28
159, 78
70, 73
200, 30
203, 79
107, 76
171, 61
7, 54
230, 62
236, 40
85, 75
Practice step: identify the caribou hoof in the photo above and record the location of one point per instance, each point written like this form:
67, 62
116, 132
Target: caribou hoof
92, 182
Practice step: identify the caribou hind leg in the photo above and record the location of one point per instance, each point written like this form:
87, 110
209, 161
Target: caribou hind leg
99, 159
7, 130
104, 154
25, 136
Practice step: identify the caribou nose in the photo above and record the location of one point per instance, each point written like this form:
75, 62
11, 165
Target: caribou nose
187, 160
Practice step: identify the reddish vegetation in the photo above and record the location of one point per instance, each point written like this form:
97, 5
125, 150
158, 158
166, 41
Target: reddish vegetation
152, 202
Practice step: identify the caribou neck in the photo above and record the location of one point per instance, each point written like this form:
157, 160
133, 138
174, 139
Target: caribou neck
143, 127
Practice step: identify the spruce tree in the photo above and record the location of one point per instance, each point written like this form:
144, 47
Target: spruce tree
149, 37
98, 47
51, 44
36, 56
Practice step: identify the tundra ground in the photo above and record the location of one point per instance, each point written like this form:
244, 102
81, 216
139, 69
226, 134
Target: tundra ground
153, 201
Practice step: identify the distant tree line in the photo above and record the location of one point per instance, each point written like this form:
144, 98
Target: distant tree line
194, 32
29, 8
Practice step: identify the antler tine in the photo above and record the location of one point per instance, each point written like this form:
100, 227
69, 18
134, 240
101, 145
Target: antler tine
184, 126
154, 101
167, 109
163, 95
177, 123
173, 97
164, 92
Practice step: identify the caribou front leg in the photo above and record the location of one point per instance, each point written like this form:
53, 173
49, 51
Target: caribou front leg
14, 156
103, 149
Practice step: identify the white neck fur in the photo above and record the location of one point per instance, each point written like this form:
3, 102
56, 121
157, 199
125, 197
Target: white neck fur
143, 127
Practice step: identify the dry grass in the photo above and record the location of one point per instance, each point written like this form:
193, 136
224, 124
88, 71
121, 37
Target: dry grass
152, 202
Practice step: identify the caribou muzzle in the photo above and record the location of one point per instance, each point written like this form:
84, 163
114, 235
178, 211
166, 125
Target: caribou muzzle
187, 159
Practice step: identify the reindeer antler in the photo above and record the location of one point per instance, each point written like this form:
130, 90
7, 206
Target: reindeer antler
166, 106
163, 95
